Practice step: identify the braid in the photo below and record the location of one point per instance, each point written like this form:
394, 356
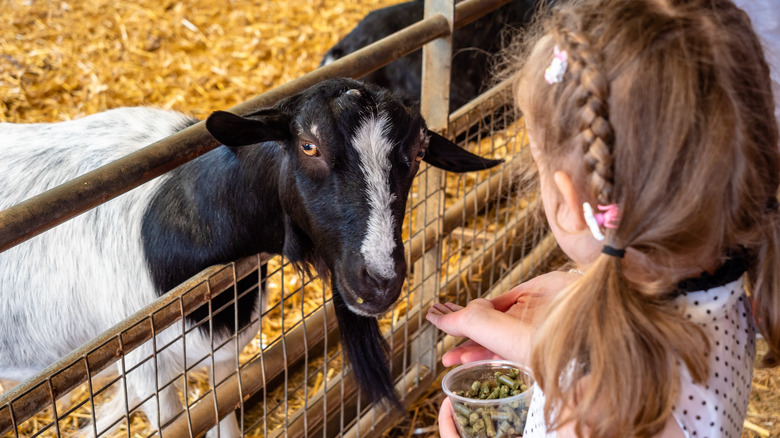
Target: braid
595, 137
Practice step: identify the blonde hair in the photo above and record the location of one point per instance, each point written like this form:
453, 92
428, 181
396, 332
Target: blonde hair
667, 105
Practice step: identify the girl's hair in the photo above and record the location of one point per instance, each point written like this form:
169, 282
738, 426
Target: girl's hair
665, 110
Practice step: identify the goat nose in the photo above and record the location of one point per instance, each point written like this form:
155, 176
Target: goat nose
375, 281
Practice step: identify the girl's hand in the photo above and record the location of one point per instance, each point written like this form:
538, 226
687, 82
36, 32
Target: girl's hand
526, 303
535, 293
529, 301
454, 319
466, 352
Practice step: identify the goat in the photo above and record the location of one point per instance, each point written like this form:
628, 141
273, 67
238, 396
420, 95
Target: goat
473, 47
321, 177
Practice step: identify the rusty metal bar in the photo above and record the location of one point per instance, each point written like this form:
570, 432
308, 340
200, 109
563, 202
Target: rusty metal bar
55, 206
472, 112
435, 98
494, 250
484, 192
541, 254
471, 10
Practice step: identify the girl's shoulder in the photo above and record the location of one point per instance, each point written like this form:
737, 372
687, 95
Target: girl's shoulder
717, 406
706, 306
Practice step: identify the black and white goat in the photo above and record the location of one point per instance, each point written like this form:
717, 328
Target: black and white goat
473, 47
322, 177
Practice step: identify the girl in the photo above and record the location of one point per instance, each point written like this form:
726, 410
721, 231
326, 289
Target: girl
651, 124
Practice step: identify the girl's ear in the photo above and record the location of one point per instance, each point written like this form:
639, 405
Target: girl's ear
571, 217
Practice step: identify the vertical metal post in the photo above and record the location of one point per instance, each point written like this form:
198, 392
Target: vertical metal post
437, 56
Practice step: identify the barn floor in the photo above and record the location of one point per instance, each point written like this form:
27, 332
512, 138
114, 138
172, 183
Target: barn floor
61, 60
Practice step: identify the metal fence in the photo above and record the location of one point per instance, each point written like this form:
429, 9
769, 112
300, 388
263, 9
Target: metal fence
466, 236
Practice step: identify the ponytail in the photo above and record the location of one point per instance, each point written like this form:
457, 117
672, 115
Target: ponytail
627, 345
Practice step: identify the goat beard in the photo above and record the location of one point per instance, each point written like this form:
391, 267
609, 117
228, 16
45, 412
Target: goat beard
367, 351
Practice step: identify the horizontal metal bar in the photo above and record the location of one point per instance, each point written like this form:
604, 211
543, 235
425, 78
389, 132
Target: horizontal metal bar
541, 254
55, 206
471, 10
470, 114
493, 250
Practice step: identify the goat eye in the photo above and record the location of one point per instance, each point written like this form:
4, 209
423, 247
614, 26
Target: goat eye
420, 155
310, 149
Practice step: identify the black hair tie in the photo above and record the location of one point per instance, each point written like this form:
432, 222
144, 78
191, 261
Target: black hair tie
614, 252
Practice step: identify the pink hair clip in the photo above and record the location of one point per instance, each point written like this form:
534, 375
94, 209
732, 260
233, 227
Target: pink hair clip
554, 73
608, 217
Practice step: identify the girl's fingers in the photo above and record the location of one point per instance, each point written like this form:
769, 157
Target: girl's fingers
453, 307
436, 311
469, 351
439, 309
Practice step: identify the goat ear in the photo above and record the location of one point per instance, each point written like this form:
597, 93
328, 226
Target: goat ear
446, 155
265, 125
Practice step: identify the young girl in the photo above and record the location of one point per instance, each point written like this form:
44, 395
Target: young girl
651, 124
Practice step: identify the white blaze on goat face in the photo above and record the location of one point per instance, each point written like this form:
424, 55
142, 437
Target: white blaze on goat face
374, 149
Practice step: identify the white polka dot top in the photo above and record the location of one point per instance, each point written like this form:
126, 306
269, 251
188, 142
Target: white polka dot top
716, 408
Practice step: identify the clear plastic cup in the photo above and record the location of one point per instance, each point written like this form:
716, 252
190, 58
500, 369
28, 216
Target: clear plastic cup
504, 416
